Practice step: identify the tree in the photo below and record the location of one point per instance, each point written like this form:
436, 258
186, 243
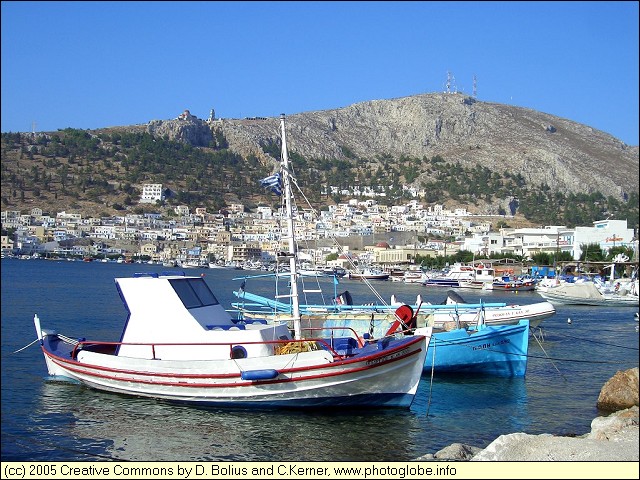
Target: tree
591, 253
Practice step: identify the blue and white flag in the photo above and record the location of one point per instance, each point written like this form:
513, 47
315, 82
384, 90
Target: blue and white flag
273, 182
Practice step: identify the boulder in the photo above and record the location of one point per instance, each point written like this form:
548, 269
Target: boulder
455, 451
606, 428
620, 391
612, 438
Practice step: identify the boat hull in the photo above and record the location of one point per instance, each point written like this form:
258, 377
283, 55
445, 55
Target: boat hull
370, 379
441, 282
359, 276
514, 286
490, 351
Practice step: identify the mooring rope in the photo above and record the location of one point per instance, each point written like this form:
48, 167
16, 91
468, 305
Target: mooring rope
26, 346
433, 364
596, 341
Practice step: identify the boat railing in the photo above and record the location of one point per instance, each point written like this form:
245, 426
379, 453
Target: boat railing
292, 345
311, 309
332, 330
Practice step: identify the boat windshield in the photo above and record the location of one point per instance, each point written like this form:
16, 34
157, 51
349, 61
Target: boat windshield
193, 292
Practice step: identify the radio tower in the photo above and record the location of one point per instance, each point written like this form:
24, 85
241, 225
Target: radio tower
451, 83
475, 87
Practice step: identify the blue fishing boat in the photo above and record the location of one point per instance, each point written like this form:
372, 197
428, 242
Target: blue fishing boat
496, 350
456, 347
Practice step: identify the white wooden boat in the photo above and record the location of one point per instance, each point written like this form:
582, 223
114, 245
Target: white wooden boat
179, 344
453, 310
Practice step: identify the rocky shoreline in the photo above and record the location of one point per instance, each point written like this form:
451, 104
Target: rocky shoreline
612, 438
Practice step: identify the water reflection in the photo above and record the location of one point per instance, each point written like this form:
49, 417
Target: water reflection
52, 421
136, 429
472, 410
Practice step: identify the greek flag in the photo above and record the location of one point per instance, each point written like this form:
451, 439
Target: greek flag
273, 182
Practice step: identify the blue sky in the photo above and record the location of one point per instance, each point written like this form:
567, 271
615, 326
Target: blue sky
98, 64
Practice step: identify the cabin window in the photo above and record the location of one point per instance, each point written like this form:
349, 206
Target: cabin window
194, 292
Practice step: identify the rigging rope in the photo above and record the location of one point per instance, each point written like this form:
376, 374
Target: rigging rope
339, 247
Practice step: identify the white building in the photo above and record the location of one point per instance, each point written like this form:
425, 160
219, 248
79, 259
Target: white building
151, 193
606, 233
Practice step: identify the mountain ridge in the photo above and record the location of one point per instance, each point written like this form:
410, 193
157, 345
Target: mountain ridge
543, 147
434, 142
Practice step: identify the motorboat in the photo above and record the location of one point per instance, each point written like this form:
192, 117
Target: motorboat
368, 274
588, 293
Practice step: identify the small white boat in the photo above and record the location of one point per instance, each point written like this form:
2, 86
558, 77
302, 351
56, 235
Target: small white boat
482, 278
587, 293
457, 310
368, 274
414, 276
508, 284
179, 344
456, 276
308, 270
338, 272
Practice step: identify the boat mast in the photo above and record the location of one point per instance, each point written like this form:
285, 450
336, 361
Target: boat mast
288, 196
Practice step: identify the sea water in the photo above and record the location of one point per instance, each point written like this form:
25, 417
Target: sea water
49, 420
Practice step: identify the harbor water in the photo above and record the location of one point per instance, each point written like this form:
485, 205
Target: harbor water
50, 420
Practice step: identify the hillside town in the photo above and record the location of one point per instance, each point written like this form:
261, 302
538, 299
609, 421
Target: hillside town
385, 237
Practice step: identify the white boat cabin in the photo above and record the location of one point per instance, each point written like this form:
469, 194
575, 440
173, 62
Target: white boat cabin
165, 311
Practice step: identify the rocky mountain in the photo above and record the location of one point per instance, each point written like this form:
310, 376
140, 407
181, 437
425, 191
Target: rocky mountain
487, 157
543, 148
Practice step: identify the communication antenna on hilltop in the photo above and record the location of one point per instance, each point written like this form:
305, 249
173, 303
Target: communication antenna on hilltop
33, 127
475, 86
451, 83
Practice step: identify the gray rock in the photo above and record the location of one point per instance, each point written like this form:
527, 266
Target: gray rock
454, 452
457, 451
192, 131
611, 439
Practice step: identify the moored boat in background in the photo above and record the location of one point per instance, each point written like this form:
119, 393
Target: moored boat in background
587, 293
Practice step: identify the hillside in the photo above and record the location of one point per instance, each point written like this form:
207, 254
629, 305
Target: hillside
490, 158
545, 149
